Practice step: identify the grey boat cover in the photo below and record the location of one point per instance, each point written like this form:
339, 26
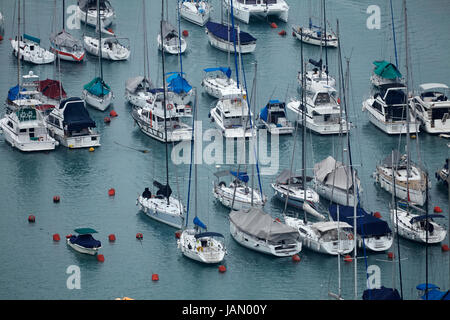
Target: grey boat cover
167, 29
257, 223
65, 39
330, 171
284, 176
133, 84
395, 158
92, 4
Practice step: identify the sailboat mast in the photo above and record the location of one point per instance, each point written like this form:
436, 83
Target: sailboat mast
164, 100
394, 169
355, 227
18, 48
64, 15
99, 42
426, 238
234, 44
179, 40
408, 163
304, 131
326, 44
393, 33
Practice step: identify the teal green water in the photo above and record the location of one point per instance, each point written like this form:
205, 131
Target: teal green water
32, 266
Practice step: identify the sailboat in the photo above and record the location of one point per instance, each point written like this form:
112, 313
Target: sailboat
195, 11
162, 206
244, 10
197, 243
97, 93
88, 12
66, 46
170, 40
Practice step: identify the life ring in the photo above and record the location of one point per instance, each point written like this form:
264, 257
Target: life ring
169, 106
350, 236
41, 138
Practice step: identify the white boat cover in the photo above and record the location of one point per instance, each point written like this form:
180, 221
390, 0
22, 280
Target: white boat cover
133, 83
167, 29
65, 39
259, 224
331, 172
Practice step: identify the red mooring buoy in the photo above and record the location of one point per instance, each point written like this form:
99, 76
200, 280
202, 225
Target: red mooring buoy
185, 33
273, 25
100, 258
111, 192
112, 238
222, 269
348, 258
377, 215
282, 33
178, 234
296, 258
445, 247
56, 199
31, 218
139, 236
390, 255
437, 209
155, 277
56, 237
113, 113
107, 120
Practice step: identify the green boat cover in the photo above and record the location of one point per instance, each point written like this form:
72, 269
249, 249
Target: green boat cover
85, 231
97, 87
386, 70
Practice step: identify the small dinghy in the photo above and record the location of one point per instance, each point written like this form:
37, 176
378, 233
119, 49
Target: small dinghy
195, 11
84, 242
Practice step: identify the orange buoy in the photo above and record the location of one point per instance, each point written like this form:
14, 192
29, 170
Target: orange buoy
296, 258
56, 237
139, 236
111, 192
390, 255
155, 277
348, 258
437, 209
445, 247
178, 234
113, 113
31, 218
185, 33
377, 215
293, 33
273, 25
100, 258
107, 120
68, 236
222, 268
282, 33
56, 199
278, 220
1, 37
112, 238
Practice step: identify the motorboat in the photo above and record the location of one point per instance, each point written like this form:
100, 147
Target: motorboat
257, 230
432, 107
317, 78
72, 126
87, 12
218, 83
244, 10
274, 118
31, 51
195, 11
237, 195
84, 242
223, 37
173, 43
442, 174
113, 48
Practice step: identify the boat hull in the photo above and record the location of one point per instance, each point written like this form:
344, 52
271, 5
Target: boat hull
99, 103
155, 209
90, 251
229, 46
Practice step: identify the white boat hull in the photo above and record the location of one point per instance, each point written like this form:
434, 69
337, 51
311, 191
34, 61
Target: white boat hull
189, 12
90, 251
213, 253
244, 12
105, 19
157, 209
229, 46
99, 103
118, 53
32, 52
172, 49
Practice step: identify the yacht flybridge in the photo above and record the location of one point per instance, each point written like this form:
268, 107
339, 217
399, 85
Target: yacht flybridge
244, 10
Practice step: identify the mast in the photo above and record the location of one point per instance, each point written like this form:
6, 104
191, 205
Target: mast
408, 163
64, 15
18, 47
179, 40
234, 43
355, 227
326, 44
426, 239
303, 135
393, 33
164, 101
99, 42
394, 169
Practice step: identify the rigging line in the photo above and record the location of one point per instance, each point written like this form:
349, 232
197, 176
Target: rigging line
190, 166
164, 99
394, 168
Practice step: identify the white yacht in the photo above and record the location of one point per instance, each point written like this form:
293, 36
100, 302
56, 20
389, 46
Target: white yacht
237, 189
25, 129
372, 233
72, 126
137, 91
245, 9
417, 227
327, 237
222, 37
387, 110
274, 118
218, 83
323, 112
173, 43
231, 116
432, 107
150, 117
112, 48
87, 12
412, 189
197, 12
31, 51
257, 230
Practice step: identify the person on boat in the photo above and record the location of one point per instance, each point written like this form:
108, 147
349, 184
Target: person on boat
147, 194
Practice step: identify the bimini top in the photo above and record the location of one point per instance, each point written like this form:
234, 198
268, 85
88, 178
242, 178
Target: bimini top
208, 234
221, 31
382, 293
265, 111
76, 116
225, 71
65, 39
425, 217
386, 70
261, 225
85, 231
431, 86
52, 89
367, 226
177, 83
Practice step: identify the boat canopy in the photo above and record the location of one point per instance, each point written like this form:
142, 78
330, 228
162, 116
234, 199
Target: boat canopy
133, 84
243, 176
265, 111
221, 31
85, 231
431, 86
284, 176
65, 39
13, 93
177, 83
425, 217
261, 225
97, 87
76, 116
331, 172
436, 295
163, 190
85, 241
208, 234
199, 223
52, 89
225, 71
368, 225
382, 293
386, 70
31, 38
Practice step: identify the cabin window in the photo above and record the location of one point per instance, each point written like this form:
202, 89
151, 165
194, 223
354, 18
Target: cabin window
31, 129
23, 130
10, 124
377, 107
438, 114
322, 98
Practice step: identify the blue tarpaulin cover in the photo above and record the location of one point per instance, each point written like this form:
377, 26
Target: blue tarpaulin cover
368, 225
243, 176
86, 241
97, 87
13, 93
264, 113
221, 31
178, 84
198, 223
76, 116
226, 71
382, 293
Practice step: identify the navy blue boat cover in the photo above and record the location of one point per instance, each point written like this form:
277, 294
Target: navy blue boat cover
368, 225
85, 241
221, 31
382, 293
208, 234
76, 116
